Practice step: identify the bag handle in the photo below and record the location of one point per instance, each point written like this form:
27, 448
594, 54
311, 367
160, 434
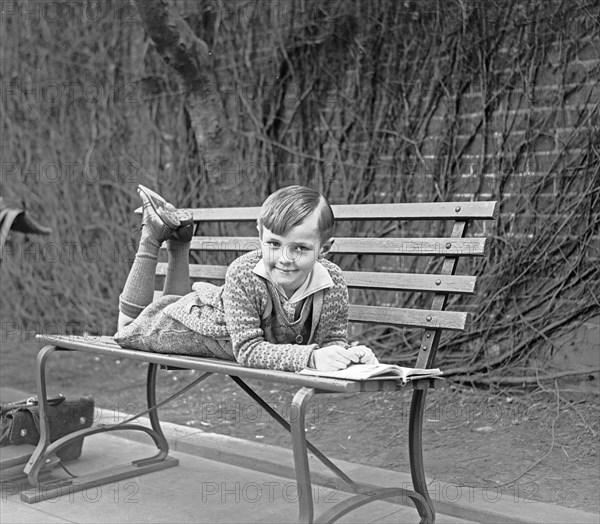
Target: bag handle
5, 407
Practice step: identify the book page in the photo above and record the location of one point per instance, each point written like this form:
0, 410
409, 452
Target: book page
373, 372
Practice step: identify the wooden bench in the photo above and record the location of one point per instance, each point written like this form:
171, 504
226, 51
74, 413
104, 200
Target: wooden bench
388, 237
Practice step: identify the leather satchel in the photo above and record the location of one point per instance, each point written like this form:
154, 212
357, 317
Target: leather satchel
20, 422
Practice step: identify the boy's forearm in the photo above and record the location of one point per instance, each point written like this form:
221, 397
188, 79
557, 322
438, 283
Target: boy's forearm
266, 355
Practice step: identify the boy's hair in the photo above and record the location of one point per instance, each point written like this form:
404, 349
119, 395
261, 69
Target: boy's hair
290, 206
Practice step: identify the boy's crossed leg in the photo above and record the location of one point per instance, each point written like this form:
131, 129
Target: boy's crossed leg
160, 222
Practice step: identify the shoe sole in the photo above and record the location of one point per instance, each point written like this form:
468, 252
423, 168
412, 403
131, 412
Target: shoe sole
169, 218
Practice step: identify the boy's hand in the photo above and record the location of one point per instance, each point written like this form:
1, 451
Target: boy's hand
332, 358
364, 354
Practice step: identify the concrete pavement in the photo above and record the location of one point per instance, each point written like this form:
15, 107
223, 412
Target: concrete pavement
224, 479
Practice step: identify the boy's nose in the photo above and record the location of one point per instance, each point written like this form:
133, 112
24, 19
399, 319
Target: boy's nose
284, 258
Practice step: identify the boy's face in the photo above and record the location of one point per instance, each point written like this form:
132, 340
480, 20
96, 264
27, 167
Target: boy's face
289, 258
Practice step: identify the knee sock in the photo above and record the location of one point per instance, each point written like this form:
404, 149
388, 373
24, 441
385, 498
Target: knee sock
177, 281
138, 291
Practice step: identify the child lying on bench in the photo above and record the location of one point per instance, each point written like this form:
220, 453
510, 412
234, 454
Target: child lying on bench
283, 307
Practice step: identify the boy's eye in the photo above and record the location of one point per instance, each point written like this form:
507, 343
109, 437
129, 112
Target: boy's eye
275, 244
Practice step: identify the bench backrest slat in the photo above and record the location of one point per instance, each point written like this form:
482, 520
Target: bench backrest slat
421, 318
374, 246
458, 284
412, 211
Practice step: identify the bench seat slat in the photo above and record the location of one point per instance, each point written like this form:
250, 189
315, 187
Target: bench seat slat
421, 318
386, 211
107, 346
363, 279
475, 246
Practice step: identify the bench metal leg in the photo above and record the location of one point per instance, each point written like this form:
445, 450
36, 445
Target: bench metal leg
44, 455
415, 453
38, 459
297, 418
151, 401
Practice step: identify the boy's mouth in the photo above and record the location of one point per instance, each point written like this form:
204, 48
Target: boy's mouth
285, 270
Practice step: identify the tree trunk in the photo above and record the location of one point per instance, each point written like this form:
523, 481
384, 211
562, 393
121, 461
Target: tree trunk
189, 56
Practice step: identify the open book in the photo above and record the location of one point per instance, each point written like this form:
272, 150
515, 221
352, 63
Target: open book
375, 372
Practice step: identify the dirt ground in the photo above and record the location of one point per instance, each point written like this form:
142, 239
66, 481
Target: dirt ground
536, 443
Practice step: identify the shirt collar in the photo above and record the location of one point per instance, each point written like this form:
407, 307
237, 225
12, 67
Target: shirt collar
318, 279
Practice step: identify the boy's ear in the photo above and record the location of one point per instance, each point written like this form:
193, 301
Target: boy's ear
326, 246
259, 229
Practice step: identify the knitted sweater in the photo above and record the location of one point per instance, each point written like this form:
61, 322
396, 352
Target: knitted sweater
248, 310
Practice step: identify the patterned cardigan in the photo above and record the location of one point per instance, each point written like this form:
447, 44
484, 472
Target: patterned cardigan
243, 311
